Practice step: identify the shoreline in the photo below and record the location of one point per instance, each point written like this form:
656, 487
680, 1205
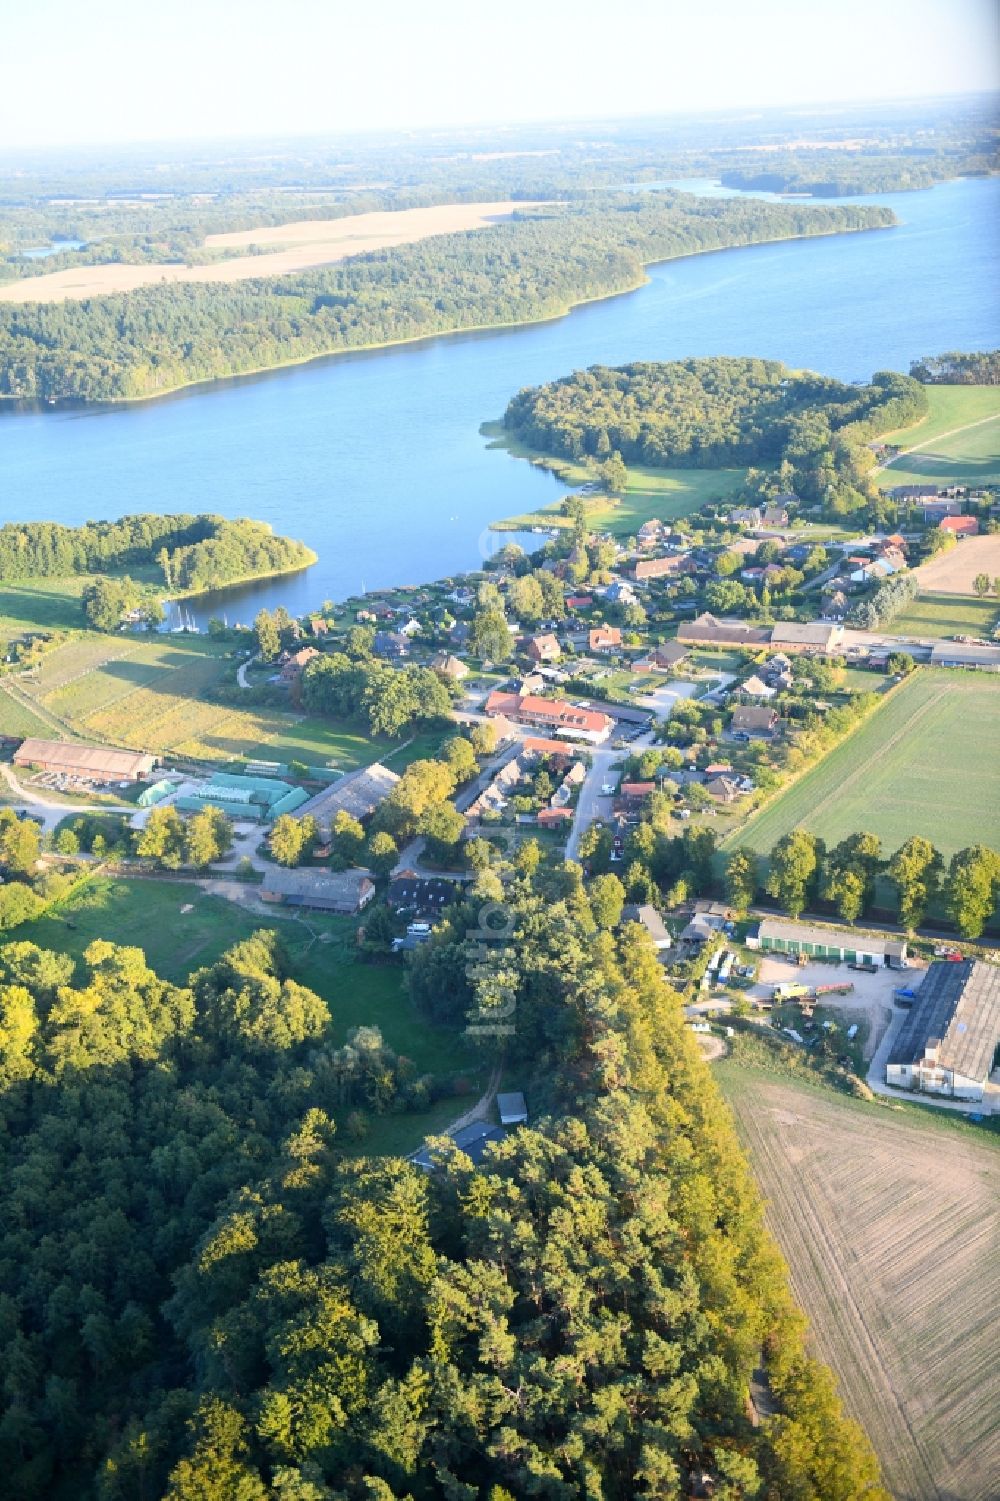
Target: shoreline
248, 578
18, 405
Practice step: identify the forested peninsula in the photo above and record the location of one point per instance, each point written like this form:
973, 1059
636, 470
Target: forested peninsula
204, 1296
188, 553
152, 341
810, 430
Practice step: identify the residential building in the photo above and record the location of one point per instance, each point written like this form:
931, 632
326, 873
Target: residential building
449, 666
579, 601
948, 1039
778, 936
543, 649
637, 793
724, 789
293, 666
935, 511
657, 568
552, 714
392, 645
960, 526
755, 687
420, 895
604, 638
621, 593
746, 516
776, 513
754, 722
834, 606
90, 762
472, 1140
648, 917
346, 891
554, 818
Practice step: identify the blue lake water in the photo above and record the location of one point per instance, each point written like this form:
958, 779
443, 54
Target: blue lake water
376, 460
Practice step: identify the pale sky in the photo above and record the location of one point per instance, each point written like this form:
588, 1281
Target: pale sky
117, 71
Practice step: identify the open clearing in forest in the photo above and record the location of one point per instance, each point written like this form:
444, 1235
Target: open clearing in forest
889, 1222
924, 763
958, 442
303, 245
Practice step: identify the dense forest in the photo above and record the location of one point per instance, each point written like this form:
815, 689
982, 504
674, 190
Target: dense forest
204, 1298
192, 552
958, 368
723, 411
536, 266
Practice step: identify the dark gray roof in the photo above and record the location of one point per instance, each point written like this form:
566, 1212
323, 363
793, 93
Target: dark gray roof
512, 1108
472, 1140
957, 1011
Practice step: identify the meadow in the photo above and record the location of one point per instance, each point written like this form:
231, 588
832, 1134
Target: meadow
943, 615
660, 494
958, 442
149, 914
154, 693
889, 1222
924, 763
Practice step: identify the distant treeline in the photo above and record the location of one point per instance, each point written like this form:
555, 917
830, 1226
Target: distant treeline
959, 369
158, 338
837, 174
193, 552
714, 412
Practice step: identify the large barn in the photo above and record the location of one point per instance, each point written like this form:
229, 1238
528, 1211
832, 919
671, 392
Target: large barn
949, 1039
100, 762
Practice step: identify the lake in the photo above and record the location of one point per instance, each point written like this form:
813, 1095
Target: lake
376, 460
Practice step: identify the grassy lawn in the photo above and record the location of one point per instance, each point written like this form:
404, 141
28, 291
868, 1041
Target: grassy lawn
968, 457
17, 719
41, 604
664, 494
946, 615
148, 914
924, 763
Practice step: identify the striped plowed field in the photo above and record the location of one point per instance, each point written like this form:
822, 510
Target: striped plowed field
891, 1228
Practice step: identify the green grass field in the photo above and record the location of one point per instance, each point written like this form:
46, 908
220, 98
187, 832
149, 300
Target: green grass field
947, 615
152, 693
148, 914
664, 494
970, 456
924, 763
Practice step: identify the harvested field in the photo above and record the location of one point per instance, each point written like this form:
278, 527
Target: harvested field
953, 572
303, 245
898, 774
889, 1223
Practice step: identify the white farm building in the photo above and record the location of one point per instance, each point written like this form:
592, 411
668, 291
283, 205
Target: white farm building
947, 1043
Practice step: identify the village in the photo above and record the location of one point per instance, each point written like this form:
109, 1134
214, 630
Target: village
598, 729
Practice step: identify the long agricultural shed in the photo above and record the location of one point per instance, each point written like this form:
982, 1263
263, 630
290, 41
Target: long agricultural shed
85, 760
